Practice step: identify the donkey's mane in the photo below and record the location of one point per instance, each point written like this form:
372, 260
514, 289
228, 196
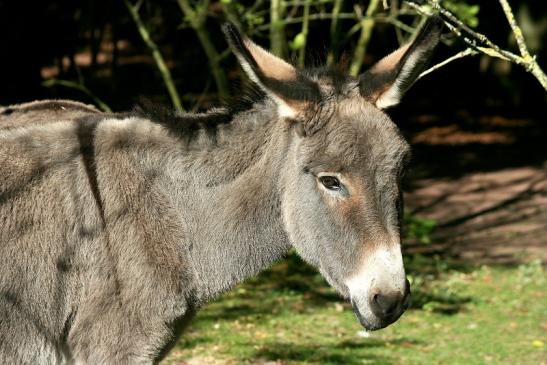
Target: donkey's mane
187, 124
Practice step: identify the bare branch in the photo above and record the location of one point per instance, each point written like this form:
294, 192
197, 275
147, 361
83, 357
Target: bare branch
156, 54
528, 61
304, 32
277, 28
197, 16
367, 24
476, 41
517, 32
462, 54
78, 86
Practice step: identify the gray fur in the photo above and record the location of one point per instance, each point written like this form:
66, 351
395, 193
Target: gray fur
115, 229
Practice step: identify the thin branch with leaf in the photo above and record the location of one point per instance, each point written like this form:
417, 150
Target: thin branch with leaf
480, 44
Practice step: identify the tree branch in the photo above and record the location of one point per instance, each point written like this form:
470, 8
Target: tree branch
529, 61
277, 28
367, 25
79, 86
156, 54
474, 39
462, 54
304, 32
197, 17
517, 32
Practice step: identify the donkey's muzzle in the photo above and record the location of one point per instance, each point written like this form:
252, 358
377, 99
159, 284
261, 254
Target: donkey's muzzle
388, 307
384, 308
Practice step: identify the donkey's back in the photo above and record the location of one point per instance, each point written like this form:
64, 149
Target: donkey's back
71, 198
41, 112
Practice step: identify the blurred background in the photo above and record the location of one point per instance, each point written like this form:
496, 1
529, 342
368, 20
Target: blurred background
476, 193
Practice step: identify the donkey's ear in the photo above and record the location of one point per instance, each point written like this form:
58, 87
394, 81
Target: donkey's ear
385, 83
289, 88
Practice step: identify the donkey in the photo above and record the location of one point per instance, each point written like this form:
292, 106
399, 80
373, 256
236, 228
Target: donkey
116, 228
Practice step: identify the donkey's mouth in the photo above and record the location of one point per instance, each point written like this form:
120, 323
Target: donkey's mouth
375, 324
366, 324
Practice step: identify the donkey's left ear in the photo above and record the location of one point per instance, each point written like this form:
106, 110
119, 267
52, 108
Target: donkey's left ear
291, 90
385, 83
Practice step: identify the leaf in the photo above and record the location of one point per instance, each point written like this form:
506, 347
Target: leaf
299, 41
465, 12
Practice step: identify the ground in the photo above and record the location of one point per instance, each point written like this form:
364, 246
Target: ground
484, 181
478, 280
478, 315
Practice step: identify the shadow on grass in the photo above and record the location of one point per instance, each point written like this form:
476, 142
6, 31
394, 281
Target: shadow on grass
440, 299
345, 352
292, 285
447, 304
187, 340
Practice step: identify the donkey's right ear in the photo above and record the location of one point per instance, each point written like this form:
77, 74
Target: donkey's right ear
282, 81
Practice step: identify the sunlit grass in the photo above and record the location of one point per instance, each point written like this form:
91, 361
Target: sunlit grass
477, 315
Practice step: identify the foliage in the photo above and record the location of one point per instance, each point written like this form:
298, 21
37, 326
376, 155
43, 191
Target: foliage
417, 228
189, 57
467, 13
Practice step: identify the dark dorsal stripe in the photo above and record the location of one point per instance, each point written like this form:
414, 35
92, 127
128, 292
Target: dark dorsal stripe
86, 137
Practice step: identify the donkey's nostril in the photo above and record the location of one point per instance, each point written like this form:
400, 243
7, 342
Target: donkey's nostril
386, 305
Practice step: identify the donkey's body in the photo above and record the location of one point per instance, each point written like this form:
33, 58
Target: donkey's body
113, 222
115, 228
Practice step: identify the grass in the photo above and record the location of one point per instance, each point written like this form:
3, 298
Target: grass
460, 315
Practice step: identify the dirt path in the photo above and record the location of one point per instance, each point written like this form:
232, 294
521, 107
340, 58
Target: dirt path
488, 217
485, 183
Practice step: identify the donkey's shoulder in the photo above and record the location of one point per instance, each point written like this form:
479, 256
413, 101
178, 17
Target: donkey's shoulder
43, 112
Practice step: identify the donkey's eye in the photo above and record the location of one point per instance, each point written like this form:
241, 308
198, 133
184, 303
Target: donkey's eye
330, 182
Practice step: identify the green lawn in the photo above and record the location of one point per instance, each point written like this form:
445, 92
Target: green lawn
460, 315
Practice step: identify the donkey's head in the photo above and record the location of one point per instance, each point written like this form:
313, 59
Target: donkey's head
340, 183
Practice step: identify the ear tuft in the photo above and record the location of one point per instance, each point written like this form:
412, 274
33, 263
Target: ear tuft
386, 82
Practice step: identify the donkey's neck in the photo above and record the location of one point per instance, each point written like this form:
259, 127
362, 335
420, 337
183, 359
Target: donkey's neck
231, 202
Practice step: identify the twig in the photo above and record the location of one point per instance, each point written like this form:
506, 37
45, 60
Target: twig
298, 20
338, 4
492, 52
303, 3
474, 39
231, 13
398, 25
78, 86
478, 36
304, 32
334, 46
530, 62
394, 11
277, 28
200, 98
517, 32
197, 17
462, 54
367, 24
156, 54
